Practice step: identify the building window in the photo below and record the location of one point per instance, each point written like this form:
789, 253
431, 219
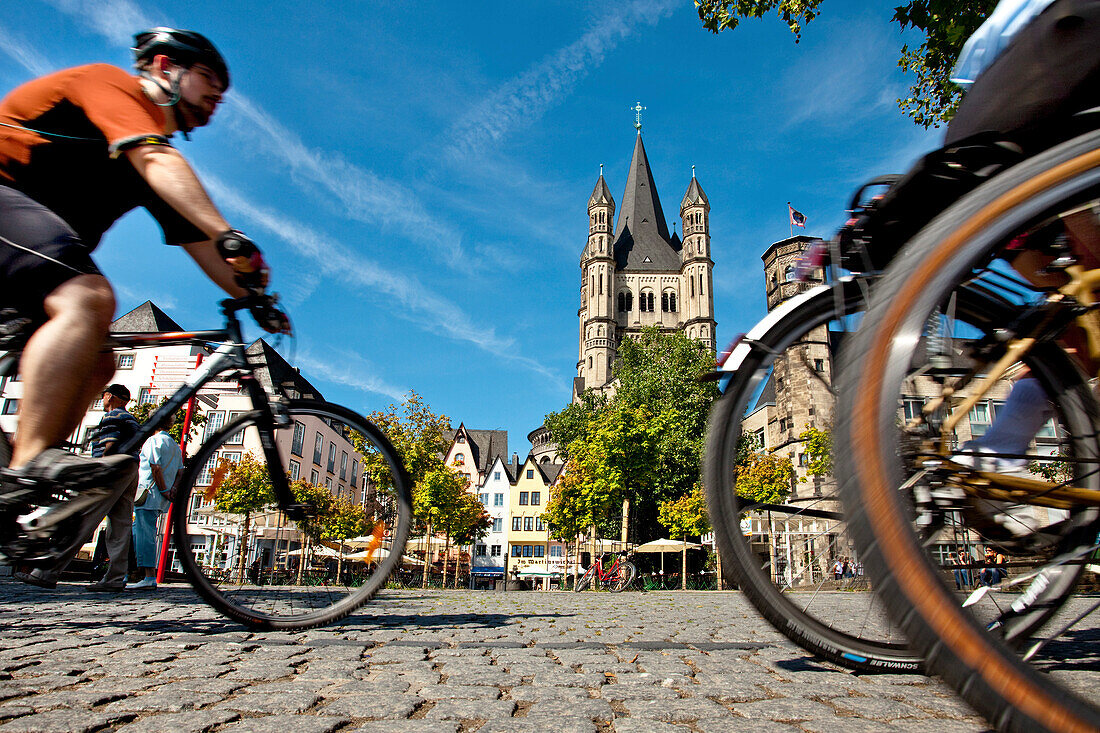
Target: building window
498, 499
494, 551
516, 550
354, 471
527, 550
645, 302
626, 301
536, 497
295, 470
980, 419
539, 526
343, 465
11, 406
528, 524
530, 473
517, 524
460, 438
498, 524
214, 420
479, 551
484, 499
146, 396
314, 477
540, 551
332, 458
328, 483
555, 551
668, 302
318, 447
298, 442
496, 475
125, 361
460, 459
819, 365
523, 498
912, 408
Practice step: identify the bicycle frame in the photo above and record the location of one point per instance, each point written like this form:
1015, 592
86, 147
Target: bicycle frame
229, 357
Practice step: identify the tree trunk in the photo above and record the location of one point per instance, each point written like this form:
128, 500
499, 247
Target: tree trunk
718, 567
427, 555
339, 561
304, 550
684, 565
242, 546
625, 534
446, 557
771, 550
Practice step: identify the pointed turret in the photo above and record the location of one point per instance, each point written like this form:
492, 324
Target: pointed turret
697, 266
601, 195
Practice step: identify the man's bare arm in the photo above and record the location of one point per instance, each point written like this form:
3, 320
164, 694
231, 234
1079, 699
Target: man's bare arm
172, 178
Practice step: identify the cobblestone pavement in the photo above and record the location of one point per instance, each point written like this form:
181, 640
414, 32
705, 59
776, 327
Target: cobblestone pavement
71, 660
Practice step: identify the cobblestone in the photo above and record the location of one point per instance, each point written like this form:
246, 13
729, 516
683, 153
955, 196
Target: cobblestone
450, 661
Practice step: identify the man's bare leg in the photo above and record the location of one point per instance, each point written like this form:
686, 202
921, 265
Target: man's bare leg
62, 366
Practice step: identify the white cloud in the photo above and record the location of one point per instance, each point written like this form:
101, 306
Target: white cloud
520, 100
24, 54
118, 20
352, 373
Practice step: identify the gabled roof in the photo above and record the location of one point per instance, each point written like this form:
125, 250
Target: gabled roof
550, 471
485, 445
276, 375
146, 318
642, 241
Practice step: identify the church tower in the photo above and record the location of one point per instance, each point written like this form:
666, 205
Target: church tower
696, 269
597, 341
635, 274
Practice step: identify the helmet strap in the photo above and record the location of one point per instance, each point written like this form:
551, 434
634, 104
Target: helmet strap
174, 97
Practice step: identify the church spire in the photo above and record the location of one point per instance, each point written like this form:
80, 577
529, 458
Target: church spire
641, 209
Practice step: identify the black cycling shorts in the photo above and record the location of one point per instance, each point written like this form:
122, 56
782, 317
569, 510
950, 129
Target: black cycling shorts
38, 252
1049, 72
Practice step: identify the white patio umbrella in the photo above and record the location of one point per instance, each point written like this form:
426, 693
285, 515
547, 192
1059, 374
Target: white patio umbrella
663, 546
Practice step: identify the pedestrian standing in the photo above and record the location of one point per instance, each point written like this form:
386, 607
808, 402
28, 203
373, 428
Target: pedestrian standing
160, 464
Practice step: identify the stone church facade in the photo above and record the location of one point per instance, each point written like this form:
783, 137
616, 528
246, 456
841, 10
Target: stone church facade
635, 274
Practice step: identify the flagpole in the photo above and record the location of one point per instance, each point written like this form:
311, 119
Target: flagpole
790, 219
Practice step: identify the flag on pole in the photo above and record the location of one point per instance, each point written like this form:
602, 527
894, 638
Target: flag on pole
798, 219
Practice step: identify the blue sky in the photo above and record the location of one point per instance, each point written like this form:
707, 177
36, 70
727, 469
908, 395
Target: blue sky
418, 174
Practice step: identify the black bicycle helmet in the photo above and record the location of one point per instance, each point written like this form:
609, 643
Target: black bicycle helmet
186, 48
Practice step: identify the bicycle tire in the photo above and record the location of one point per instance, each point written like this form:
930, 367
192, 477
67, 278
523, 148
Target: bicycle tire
295, 598
1011, 693
826, 637
584, 581
627, 573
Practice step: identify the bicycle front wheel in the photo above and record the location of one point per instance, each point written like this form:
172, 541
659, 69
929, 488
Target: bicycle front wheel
584, 581
909, 495
256, 565
791, 583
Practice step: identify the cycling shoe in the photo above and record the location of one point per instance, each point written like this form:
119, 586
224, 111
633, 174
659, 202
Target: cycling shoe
42, 504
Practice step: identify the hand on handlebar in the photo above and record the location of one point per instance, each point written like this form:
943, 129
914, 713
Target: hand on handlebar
270, 318
250, 270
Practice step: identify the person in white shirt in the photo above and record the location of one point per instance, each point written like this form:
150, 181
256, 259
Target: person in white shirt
161, 461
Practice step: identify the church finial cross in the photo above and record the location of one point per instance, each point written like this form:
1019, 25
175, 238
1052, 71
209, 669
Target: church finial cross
637, 109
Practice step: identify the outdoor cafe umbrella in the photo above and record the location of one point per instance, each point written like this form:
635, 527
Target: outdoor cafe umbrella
381, 554
663, 546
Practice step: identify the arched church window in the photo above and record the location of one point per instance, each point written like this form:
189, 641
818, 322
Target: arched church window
692, 281
626, 301
668, 301
622, 302
645, 301
701, 291
664, 302
590, 362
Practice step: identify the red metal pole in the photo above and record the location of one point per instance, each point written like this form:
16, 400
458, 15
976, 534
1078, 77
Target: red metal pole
168, 514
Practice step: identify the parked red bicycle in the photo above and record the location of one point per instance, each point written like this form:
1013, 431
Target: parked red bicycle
615, 577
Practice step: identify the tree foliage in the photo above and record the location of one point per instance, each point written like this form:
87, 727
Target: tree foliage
417, 434
687, 516
143, 411
765, 478
244, 487
644, 444
818, 449
946, 24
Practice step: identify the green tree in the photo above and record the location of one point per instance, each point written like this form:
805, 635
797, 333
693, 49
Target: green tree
684, 517
342, 521
142, 412
417, 434
565, 514
946, 24
435, 500
574, 420
765, 478
467, 522
243, 489
818, 444
312, 526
